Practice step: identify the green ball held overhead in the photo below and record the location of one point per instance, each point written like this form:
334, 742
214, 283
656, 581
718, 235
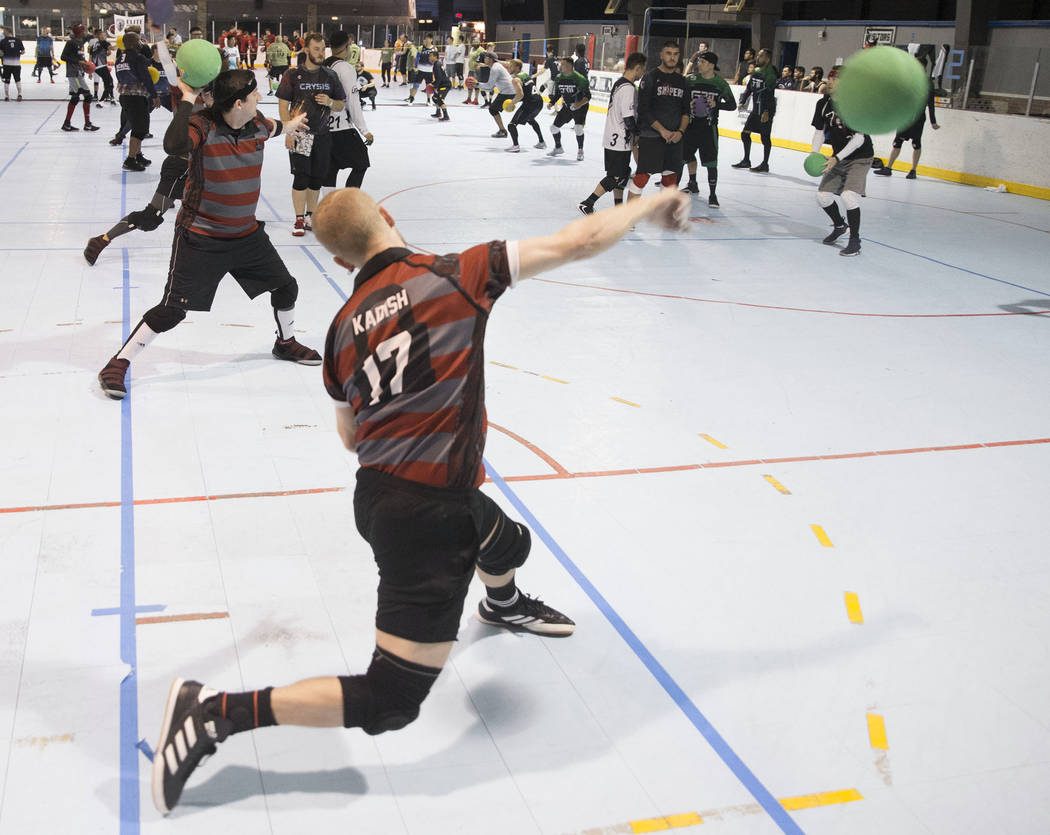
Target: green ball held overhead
814, 164
880, 90
199, 61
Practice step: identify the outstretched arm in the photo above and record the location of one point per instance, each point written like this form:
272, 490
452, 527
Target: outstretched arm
586, 237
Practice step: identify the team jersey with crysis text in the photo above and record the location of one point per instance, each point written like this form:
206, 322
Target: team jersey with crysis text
706, 97
623, 113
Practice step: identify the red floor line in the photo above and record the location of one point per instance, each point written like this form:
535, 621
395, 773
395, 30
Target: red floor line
561, 474
181, 618
794, 309
558, 468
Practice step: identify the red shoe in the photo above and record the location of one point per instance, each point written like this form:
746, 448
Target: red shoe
111, 378
294, 352
300, 227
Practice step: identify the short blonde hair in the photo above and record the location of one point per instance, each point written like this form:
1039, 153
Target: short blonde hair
347, 222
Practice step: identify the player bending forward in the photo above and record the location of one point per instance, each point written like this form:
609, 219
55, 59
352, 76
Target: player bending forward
404, 365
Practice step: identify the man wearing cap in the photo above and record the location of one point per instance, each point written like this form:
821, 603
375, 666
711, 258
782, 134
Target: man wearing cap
708, 93
498, 80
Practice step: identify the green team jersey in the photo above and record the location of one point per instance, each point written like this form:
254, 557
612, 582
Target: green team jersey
571, 88
715, 95
472, 59
278, 54
386, 55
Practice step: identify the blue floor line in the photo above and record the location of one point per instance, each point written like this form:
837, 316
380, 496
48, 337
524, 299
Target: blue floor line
685, 704
48, 119
324, 272
12, 160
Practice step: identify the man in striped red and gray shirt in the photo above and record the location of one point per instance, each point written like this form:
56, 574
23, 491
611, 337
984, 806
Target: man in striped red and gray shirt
404, 365
216, 230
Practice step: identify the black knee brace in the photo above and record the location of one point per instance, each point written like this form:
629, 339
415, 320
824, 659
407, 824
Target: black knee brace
147, 219
283, 298
608, 182
163, 318
388, 696
505, 545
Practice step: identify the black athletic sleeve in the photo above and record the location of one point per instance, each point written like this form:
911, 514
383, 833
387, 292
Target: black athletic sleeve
646, 89
70, 53
931, 106
818, 115
177, 137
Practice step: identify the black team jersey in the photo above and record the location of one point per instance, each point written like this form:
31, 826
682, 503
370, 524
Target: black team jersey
837, 133
662, 97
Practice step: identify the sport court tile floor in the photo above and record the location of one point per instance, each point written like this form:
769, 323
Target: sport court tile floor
687, 423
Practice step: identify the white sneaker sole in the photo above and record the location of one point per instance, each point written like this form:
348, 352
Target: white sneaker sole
158, 753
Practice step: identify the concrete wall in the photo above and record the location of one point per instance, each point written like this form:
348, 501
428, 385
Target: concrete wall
843, 40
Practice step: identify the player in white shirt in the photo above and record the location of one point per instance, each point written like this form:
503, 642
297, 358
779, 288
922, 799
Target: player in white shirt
620, 131
500, 81
350, 135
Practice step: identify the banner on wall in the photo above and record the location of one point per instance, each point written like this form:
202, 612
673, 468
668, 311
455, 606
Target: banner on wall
880, 35
122, 22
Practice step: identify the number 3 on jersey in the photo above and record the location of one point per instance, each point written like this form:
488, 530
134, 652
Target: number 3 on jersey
396, 348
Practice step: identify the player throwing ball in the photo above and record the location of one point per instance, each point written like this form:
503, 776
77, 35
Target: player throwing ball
404, 366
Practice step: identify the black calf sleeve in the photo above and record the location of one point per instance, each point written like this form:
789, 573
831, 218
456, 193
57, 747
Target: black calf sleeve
513, 128
283, 298
388, 696
163, 318
356, 177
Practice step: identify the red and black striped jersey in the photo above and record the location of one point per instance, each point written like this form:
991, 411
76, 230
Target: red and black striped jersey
406, 352
224, 179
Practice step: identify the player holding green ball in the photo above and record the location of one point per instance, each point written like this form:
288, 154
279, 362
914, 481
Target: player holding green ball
845, 172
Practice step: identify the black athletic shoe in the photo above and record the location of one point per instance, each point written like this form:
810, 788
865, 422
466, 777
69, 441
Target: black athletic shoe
761, 168
143, 160
500, 134
68, 127
188, 734
691, 188
586, 208
94, 249
910, 175
292, 351
111, 378
132, 164
90, 126
445, 118
712, 201
836, 233
529, 614
116, 140
885, 171
148, 136
744, 163
851, 248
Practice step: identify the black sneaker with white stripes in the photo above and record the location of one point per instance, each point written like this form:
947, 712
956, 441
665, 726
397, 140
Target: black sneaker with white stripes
188, 734
529, 614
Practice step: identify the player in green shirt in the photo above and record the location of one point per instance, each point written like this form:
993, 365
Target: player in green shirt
277, 57
708, 93
574, 91
761, 88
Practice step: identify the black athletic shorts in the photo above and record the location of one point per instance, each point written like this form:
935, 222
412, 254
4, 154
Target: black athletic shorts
656, 156
424, 78
136, 115
754, 123
496, 106
348, 151
316, 165
199, 263
277, 72
703, 138
618, 163
567, 114
173, 177
912, 132
426, 542
527, 111
11, 73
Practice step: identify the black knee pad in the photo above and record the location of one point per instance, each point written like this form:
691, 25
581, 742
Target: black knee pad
283, 298
622, 182
388, 696
300, 182
163, 318
608, 182
147, 219
315, 183
505, 545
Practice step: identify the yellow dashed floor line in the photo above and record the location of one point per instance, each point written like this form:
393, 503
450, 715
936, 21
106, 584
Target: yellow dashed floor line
822, 537
711, 440
780, 487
